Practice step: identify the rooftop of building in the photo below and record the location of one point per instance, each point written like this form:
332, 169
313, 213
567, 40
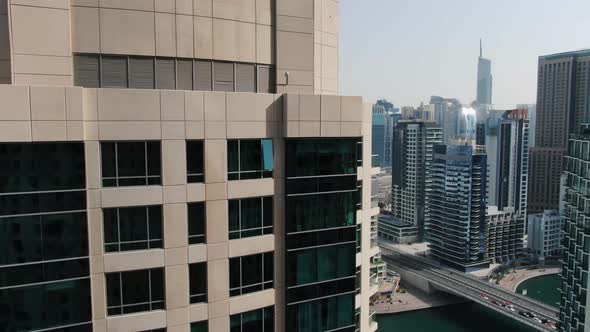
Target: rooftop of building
575, 54
393, 221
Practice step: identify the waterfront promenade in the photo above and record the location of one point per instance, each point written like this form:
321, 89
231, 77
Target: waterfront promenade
512, 280
414, 299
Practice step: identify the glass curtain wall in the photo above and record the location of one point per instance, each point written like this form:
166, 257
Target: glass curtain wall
321, 204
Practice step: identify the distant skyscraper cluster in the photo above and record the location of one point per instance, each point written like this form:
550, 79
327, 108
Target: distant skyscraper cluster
385, 116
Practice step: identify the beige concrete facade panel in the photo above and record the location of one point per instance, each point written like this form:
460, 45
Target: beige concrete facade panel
251, 130
215, 163
131, 196
173, 130
330, 108
203, 34
203, 7
214, 106
217, 251
234, 41
177, 286
250, 188
48, 103
173, 162
220, 324
74, 104
198, 312
217, 282
75, 130
90, 102
219, 309
296, 77
127, 32
330, 129
294, 24
93, 198
184, 7
84, 3
125, 130
172, 105
16, 104
216, 228
301, 8
141, 321
91, 130
265, 44
195, 192
236, 10
42, 65
98, 288
85, 30
128, 4
95, 233
194, 105
134, 260
176, 317
215, 191
291, 104
259, 107
96, 264
33, 79
49, 131
177, 256
197, 253
165, 6
175, 194
251, 245
93, 162
309, 128
195, 130
50, 35
215, 130
265, 12
128, 105
184, 36
294, 51
165, 25
253, 301
351, 129
175, 225
309, 108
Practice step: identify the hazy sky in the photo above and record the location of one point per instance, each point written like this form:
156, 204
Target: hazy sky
408, 50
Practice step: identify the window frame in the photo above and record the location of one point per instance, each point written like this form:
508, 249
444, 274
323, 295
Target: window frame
149, 241
146, 177
150, 301
199, 297
195, 177
264, 228
268, 311
264, 283
239, 174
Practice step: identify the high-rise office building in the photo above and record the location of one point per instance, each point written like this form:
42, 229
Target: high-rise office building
513, 161
413, 142
484, 79
447, 114
384, 120
177, 165
506, 218
456, 206
562, 104
576, 244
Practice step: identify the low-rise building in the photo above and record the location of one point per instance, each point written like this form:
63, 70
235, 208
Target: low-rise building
545, 235
397, 231
505, 229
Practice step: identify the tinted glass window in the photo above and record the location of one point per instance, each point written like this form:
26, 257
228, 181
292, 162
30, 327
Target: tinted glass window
135, 291
250, 159
198, 282
200, 326
133, 228
321, 157
321, 315
130, 163
194, 161
196, 222
260, 320
250, 217
247, 273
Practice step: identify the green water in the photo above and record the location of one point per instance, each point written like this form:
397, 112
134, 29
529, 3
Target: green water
469, 316
543, 289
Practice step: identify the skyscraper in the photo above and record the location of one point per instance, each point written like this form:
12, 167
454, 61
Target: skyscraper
165, 166
484, 79
413, 142
456, 206
447, 114
384, 120
576, 244
562, 104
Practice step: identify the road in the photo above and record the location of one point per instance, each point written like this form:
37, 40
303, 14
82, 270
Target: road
471, 288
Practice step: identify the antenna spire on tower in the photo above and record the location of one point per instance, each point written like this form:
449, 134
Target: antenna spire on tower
480, 49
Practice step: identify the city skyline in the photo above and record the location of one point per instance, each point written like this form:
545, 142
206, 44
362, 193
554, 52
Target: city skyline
382, 58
